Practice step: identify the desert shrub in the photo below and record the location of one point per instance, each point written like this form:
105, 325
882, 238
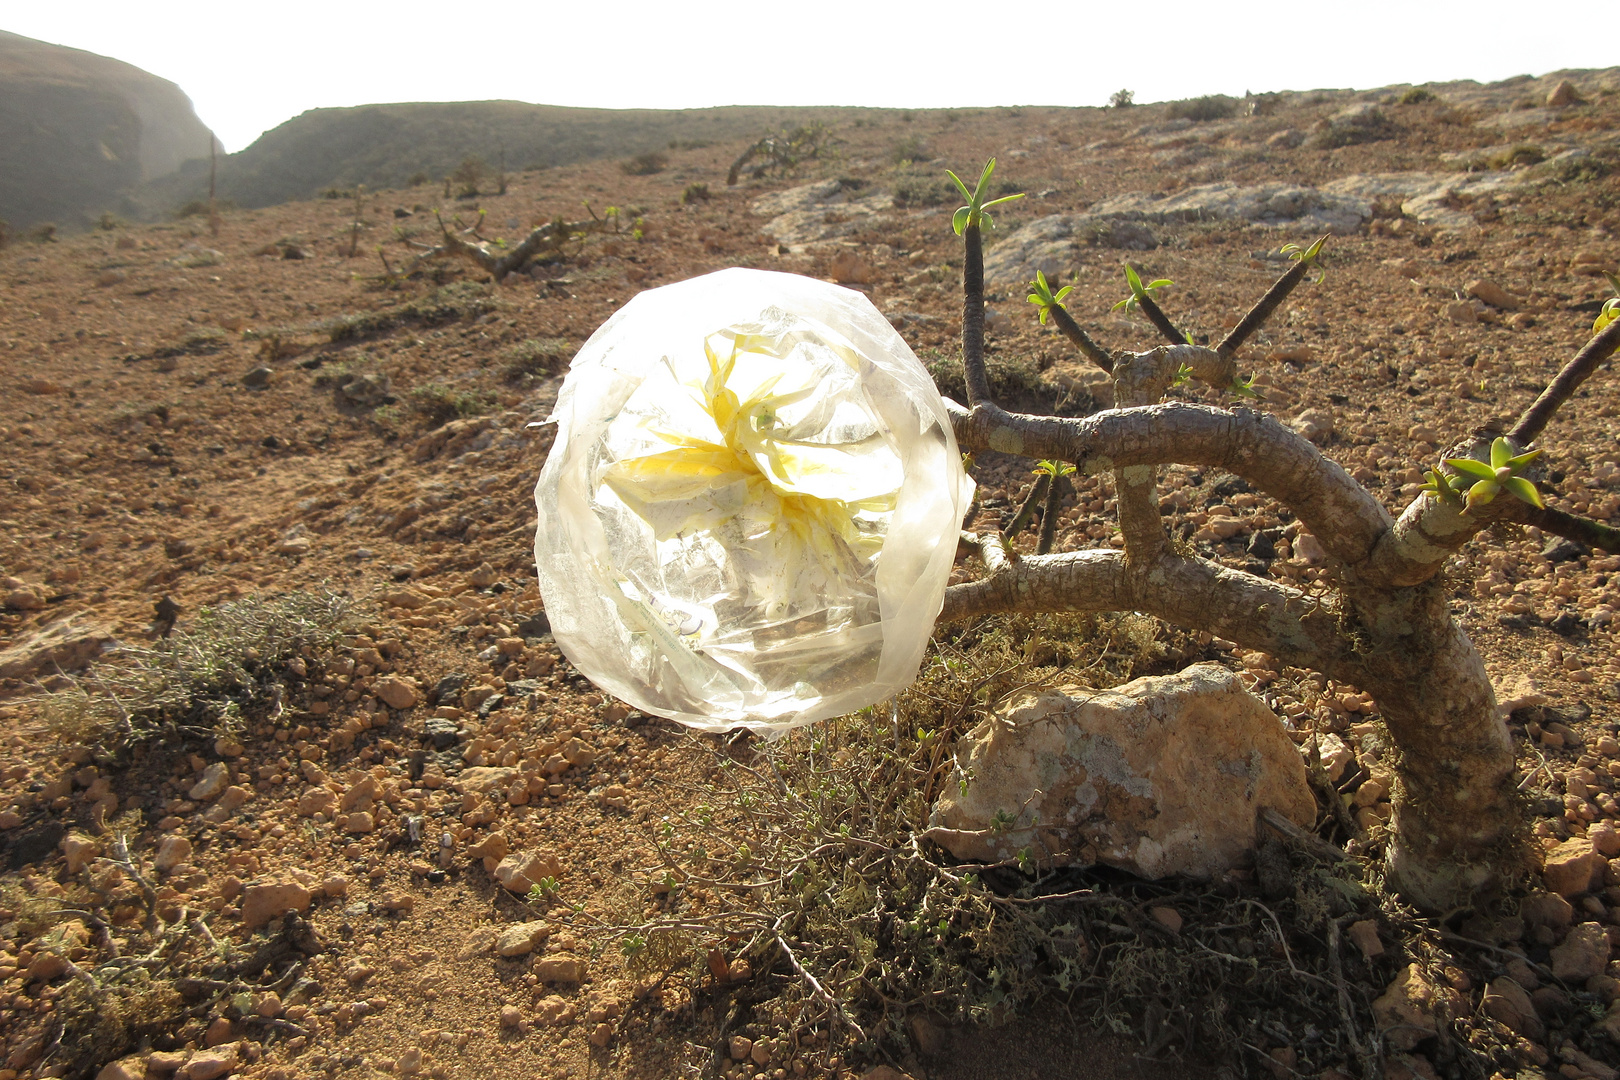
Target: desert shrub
455, 301
229, 664
1415, 95
201, 207
43, 234
536, 356
909, 149
108, 222
417, 179
1122, 99
439, 403
1201, 109
785, 150
695, 193
645, 164
1519, 155
468, 176
913, 190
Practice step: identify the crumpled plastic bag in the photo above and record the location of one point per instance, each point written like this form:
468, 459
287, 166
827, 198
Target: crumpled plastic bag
751, 507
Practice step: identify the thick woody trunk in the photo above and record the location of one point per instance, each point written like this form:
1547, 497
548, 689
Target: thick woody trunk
1458, 827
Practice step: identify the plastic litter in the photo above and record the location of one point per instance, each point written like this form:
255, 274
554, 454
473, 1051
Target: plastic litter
751, 507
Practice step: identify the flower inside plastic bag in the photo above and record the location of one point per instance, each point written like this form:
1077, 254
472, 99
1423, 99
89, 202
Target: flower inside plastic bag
751, 507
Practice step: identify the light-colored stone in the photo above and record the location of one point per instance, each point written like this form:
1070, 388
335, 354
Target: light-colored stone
1494, 295
214, 779
265, 900
1572, 868
520, 872
1507, 1002
1160, 776
520, 939
562, 969
397, 692
171, 852
316, 800
848, 268
1562, 95
129, 1068
1605, 839
65, 645
1365, 934
210, 1064
78, 851
1546, 909
1584, 953
1406, 1011
814, 213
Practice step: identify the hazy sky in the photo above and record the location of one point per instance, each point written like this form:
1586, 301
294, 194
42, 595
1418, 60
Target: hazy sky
249, 67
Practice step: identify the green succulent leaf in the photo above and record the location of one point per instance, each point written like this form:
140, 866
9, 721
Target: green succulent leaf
1443, 488
1523, 489
1053, 468
1242, 387
1183, 373
973, 214
1483, 492
1478, 470
1139, 291
1045, 297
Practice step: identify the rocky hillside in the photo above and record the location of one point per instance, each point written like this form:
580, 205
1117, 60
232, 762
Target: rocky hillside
388, 145
81, 130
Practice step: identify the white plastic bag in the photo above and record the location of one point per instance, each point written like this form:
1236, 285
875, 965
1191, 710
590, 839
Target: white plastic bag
751, 508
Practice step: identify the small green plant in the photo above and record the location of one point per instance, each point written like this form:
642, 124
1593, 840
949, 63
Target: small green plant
1310, 256
1139, 291
440, 403
543, 890
1504, 473
1045, 298
1122, 99
973, 214
909, 149
694, 193
536, 356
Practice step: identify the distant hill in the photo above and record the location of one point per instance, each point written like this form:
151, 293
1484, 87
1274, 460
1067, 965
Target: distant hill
386, 145
78, 131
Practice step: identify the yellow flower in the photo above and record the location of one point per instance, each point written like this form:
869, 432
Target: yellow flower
768, 467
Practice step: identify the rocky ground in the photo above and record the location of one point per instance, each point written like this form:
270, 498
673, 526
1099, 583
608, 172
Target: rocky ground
201, 412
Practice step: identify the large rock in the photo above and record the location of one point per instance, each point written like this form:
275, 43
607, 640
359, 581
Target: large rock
819, 212
1160, 776
62, 646
1053, 246
1412, 1007
1303, 209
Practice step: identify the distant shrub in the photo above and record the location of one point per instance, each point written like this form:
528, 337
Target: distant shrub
108, 222
922, 191
440, 403
1122, 99
695, 193
43, 234
645, 164
417, 179
1201, 109
200, 208
536, 356
468, 176
1520, 155
909, 149
1415, 95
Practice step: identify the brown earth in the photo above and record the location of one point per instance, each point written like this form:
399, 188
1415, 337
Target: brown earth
144, 463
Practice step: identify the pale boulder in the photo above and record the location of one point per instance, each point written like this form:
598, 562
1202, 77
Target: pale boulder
263, 901
1161, 776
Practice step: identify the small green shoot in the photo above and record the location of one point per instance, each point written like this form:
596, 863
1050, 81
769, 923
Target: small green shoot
1001, 821
973, 214
1054, 469
1045, 297
1243, 388
1183, 373
1308, 256
1139, 292
1448, 489
542, 890
1502, 474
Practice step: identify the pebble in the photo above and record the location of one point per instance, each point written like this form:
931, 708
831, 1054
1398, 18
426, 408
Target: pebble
1494, 295
1584, 953
264, 901
215, 778
171, 852
511, 1017
210, 1064
520, 939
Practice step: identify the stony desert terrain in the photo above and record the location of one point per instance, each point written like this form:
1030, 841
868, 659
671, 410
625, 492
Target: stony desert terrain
204, 412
